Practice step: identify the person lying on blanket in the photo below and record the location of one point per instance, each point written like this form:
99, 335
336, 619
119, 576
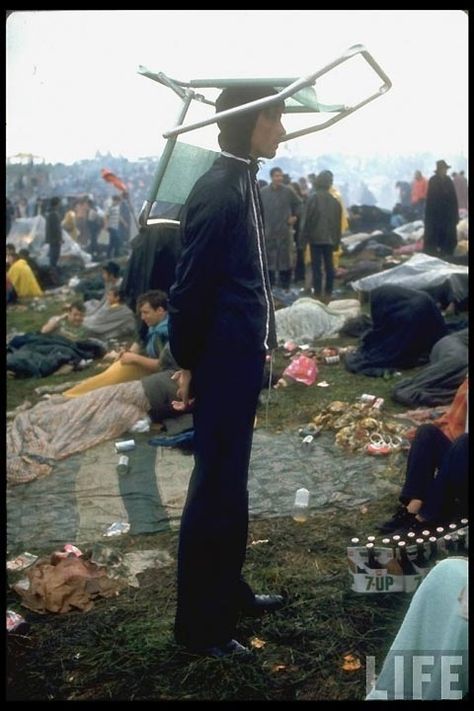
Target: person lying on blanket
59, 427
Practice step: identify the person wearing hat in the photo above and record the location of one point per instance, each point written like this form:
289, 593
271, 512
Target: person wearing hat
441, 214
221, 325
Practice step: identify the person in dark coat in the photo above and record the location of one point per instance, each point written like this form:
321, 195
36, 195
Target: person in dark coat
152, 262
221, 325
406, 323
281, 208
53, 232
322, 231
441, 214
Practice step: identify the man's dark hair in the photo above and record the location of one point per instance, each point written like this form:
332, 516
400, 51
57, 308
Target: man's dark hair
79, 305
275, 170
111, 268
118, 292
236, 131
155, 298
323, 181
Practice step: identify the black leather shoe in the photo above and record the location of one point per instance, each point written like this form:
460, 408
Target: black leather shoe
232, 648
262, 604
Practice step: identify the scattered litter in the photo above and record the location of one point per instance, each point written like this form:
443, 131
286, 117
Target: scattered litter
257, 643
260, 540
16, 623
84, 363
117, 528
302, 369
22, 561
124, 445
142, 425
70, 548
309, 430
122, 465
23, 584
351, 663
322, 384
103, 555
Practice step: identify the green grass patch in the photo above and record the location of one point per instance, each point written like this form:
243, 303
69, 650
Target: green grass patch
123, 649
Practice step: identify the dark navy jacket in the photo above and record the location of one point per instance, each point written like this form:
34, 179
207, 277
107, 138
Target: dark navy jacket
221, 297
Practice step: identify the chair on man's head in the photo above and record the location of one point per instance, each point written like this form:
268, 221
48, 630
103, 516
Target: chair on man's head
182, 164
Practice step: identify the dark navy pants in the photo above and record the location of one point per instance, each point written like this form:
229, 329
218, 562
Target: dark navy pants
433, 453
214, 524
322, 253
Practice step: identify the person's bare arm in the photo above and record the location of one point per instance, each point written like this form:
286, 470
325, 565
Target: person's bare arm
151, 364
183, 378
53, 323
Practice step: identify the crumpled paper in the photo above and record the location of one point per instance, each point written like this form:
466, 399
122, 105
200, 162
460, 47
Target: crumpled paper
61, 585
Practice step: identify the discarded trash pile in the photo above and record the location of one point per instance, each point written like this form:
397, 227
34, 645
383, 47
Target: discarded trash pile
360, 427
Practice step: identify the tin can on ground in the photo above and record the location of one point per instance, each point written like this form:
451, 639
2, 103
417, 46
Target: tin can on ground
122, 466
125, 445
332, 359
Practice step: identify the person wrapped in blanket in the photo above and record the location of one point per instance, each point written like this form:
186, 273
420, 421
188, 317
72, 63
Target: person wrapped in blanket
61, 426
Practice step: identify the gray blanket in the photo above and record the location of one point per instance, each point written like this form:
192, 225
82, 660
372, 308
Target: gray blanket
111, 322
437, 383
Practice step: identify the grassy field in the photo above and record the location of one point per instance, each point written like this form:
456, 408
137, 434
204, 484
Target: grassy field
123, 648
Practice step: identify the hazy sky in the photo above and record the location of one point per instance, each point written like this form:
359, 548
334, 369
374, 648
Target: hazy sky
73, 89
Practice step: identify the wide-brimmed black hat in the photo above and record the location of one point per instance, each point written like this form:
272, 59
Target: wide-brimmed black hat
442, 164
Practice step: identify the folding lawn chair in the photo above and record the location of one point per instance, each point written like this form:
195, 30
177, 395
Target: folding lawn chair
182, 164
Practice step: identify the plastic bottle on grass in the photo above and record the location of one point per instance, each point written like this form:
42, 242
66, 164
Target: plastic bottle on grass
300, 509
